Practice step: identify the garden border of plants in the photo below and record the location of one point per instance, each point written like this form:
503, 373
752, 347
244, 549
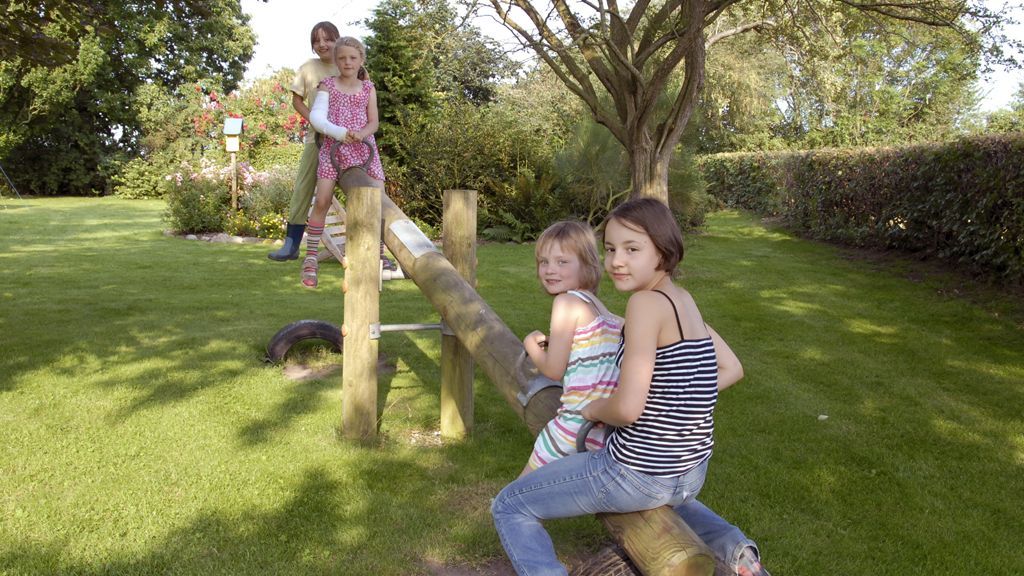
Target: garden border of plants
960, 201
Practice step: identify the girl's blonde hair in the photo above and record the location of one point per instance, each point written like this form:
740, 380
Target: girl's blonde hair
578, 238
352, 43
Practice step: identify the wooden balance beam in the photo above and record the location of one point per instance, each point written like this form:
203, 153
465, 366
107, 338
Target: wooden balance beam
657, 541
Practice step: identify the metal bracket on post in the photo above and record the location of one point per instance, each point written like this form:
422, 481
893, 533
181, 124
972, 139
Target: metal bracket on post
446, 330
376, 329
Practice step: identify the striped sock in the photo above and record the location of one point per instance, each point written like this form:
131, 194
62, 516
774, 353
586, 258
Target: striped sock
313, 232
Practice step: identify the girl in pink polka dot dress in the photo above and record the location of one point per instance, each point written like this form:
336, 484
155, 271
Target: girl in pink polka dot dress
345, 111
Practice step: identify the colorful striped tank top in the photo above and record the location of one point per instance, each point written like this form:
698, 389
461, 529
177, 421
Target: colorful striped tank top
591, 373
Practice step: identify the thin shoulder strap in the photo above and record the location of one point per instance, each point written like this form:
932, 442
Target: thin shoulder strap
586, 297
674, 309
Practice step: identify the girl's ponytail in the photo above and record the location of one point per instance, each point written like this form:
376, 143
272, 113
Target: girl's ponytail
362, 74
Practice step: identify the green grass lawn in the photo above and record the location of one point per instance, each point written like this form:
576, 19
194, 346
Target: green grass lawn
141, 433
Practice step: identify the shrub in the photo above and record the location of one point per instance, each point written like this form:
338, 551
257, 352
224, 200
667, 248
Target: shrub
960, 201
140, 178
272, 157
200, 201
195, 206
265, 203
461, 146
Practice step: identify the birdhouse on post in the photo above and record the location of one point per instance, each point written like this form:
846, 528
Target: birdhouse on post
232, 134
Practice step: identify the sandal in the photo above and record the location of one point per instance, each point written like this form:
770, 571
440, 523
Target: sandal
749, 564
310, 267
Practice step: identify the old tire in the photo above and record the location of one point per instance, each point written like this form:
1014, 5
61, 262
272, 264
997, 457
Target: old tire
302, 330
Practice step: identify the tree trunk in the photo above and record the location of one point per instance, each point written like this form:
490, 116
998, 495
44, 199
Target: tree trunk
648, 171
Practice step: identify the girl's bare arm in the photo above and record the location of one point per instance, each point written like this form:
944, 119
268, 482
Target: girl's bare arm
644, 315
372, 118
551, 354
730, 371
300, 106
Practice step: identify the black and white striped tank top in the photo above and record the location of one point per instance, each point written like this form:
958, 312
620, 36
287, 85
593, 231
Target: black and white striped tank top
675, 432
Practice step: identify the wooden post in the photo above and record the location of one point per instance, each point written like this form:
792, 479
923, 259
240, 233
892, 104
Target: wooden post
658, 541
456, 362
234, 184
362, 311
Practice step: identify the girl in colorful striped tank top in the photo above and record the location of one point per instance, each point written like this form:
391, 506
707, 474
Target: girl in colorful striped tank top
584, 337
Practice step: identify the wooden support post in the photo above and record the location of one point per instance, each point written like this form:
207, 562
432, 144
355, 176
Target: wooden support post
234, 184
658, 540
362, 310
456, 362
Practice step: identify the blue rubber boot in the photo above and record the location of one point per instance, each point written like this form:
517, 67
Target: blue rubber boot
292, 242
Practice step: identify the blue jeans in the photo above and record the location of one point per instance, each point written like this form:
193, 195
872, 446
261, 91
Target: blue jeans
577, 485
724, 539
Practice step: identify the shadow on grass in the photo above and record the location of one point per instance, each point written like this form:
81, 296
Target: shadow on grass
919, 390
171, 307
863, 392
325, 527
303, 398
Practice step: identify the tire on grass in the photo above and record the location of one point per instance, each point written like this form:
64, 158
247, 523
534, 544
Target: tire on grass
302, 330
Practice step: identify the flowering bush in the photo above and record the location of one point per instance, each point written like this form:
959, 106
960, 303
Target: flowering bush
199, 200
266, 202
195, 206
187, 125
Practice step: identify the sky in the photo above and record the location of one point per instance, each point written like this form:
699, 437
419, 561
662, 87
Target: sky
282, 38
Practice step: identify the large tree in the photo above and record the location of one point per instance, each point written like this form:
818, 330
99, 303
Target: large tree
871, 86
621, 59
70, 73
423, 52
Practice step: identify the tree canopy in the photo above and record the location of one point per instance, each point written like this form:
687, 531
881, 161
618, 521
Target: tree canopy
70, 73
422, 52
872, 86
619, 60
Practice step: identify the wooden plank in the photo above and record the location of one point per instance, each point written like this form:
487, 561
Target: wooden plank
333, 237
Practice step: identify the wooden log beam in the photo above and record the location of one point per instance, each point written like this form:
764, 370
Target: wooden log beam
658, 541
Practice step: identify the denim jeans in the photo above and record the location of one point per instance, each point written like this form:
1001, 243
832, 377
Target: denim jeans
724, 539
577, 485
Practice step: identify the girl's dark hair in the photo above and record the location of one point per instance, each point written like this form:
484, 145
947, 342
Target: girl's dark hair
328, 29
353, 43
577, 238
652, 217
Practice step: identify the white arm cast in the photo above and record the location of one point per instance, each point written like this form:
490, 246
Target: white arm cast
318, 118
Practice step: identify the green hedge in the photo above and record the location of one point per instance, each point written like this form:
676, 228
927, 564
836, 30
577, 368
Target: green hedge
960, 201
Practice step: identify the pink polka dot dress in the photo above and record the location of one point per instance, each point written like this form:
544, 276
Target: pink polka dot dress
348, 110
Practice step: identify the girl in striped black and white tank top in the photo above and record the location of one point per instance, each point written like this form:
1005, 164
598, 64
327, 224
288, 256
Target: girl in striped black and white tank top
672, 366
674, 432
